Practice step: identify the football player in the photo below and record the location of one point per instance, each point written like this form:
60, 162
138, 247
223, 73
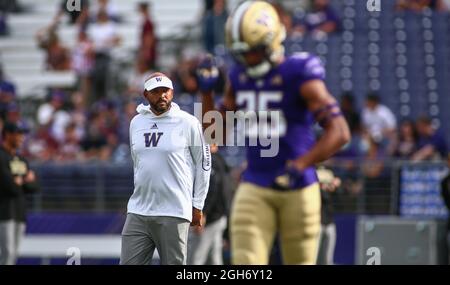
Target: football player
277, 194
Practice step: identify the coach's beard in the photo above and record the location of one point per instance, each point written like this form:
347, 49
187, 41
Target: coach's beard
161, 106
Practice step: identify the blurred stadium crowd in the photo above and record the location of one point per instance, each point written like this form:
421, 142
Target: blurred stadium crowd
89, 120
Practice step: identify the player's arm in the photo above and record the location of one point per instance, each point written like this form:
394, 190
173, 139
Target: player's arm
207, 75
228, 102
216, 131
328, 114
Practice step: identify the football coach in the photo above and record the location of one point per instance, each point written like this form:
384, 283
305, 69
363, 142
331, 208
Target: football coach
172, 165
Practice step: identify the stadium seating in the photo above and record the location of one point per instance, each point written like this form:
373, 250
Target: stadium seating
24, 62
404, 56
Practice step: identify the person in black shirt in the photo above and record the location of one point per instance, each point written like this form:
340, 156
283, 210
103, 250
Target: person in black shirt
445, 188
207, 241
431, 143
16, 179
328, 185
351, 114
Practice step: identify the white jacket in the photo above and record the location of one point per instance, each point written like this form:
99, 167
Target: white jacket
172, 163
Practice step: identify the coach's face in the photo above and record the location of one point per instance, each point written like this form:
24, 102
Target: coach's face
160, 99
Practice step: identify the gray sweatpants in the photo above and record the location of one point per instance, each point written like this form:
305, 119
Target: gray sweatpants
11, 233
209, 242
142, 234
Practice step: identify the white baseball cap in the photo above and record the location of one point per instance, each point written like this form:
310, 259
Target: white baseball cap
158, 81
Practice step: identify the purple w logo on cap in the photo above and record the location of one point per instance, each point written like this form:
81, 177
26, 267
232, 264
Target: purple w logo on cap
158, 79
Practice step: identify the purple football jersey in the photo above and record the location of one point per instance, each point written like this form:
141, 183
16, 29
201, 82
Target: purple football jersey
279, 90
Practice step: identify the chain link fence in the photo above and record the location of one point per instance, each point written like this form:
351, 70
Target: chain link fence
368, 187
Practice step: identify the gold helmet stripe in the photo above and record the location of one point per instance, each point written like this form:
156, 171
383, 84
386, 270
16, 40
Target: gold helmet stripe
237, 19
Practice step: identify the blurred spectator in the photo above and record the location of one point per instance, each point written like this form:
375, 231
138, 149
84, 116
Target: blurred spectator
101, 137
185, 76
95, 143
420, 5
78, 114
137, 79
208, 241
350, 113
328, 185
77, 16
109, 7
103, 33
13, 113
373, 161
58, 56
285, 17
47, 110
380, 123
214, 26
70, 148
377, 182
431, 143
208, 6
7, 6
406, 140
353, 151
445, 191
122, 151
7, 94
4, 29
83, 60
128, 113
105, 38
16, 180
110, 121
320, 21
148, 46
52, 116
10, 6
42, 146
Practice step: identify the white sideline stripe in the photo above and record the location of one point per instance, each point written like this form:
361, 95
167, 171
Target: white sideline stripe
91, 246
